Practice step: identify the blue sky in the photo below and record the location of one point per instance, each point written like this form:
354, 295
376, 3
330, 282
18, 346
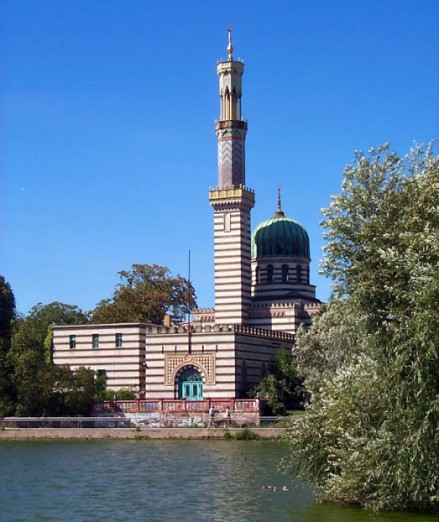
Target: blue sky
107, 133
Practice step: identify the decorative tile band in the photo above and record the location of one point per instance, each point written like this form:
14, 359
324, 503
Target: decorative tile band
231, 171
204, 362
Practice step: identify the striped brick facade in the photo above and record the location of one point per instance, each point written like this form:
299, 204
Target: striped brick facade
231, 359
232, 254
76, 346
286, 316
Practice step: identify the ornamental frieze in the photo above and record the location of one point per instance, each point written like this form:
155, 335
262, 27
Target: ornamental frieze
204, 362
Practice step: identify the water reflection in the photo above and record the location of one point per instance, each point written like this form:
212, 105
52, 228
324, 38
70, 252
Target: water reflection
156, 481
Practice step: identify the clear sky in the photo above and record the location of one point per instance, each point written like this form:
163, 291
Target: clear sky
107, 133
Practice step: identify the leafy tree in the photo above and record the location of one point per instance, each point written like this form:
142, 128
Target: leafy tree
30, 355
372, 438
146, 293
7, 316
73, 392
282, 386
7, 308
333, 342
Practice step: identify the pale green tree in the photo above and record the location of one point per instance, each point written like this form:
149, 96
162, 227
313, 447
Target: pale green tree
333, 342
372, 435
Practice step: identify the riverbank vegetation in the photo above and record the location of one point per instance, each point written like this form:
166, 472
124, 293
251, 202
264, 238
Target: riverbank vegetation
370, 360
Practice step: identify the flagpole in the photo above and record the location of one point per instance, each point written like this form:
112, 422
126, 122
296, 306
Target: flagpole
189, 326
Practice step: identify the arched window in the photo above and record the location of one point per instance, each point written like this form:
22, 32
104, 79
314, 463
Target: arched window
227, 107
270, 271
258, 274
285, 274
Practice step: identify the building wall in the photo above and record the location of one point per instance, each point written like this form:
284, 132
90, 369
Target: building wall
231, 358
232, 253
297, 279
253, 354
123, 365
283, 316
212, 353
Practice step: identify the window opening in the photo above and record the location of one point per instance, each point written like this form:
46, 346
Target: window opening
270, 271
285, 274
101, 375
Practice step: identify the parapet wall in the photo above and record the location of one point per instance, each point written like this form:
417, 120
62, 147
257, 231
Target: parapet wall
220, 328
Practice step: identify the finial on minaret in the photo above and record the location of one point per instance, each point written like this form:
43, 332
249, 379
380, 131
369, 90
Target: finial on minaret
279, 212
230, 46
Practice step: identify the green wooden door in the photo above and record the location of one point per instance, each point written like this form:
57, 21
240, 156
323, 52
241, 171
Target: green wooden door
192, 390
190, 385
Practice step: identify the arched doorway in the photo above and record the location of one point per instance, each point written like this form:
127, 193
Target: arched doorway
190, 384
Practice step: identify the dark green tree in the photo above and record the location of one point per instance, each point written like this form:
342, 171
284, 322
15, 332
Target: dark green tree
30, 355
73, 392
146, 293
282, 386
7, 317
372, 435
7, 308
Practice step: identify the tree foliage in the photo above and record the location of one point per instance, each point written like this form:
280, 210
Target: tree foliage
372, 437
145, 294
7, 308
7, 316
36, 381
281, 386
73, 392
334, 342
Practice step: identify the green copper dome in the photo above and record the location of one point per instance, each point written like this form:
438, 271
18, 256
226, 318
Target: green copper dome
280, 237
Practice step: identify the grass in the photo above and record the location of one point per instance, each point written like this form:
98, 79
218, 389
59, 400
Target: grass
246, 434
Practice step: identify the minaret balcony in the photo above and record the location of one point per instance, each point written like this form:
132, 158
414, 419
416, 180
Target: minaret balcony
230, 124
240, 194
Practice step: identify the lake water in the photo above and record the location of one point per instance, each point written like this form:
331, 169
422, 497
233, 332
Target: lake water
159, 480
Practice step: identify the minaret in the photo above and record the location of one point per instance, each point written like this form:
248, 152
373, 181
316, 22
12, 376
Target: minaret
231, 200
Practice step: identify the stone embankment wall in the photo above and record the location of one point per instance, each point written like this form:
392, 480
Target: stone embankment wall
130, 433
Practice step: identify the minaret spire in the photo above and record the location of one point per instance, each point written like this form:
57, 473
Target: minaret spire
230, 46
279, 212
